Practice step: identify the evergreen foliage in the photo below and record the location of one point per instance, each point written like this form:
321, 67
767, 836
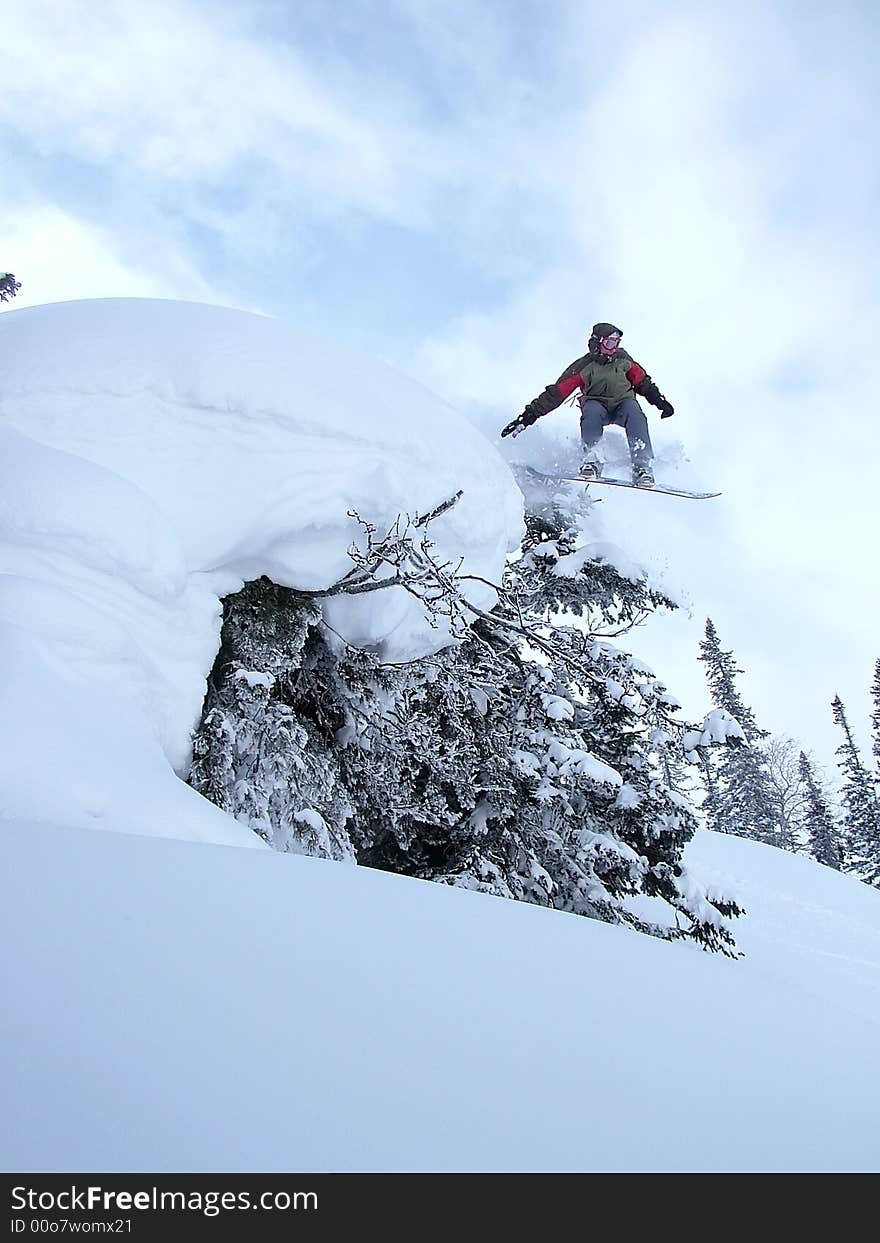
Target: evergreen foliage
721, 673
531, 759
875, 724
861, 820
9, 286
822, 832
740, 799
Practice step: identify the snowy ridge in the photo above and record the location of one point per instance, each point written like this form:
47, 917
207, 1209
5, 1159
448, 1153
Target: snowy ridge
220, 1037
154, 456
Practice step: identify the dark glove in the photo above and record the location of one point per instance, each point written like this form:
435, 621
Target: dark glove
667, 410
519, 424
542, 404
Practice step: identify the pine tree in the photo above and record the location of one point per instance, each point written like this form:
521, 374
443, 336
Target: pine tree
721, 672
741, 796
526, 760
875, 725
822, 832
254, 755
862, 818
9, 286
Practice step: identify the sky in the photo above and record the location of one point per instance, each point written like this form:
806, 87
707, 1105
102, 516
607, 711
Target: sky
462, 189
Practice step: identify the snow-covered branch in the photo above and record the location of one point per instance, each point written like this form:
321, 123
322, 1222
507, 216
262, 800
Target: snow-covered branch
402, 557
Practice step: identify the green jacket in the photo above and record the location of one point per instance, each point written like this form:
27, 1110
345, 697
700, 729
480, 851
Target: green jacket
608, 380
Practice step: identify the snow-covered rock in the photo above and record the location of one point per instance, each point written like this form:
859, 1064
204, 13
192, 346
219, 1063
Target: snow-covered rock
154, 456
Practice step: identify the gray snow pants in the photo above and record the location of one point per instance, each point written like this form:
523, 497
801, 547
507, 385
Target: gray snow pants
629, 415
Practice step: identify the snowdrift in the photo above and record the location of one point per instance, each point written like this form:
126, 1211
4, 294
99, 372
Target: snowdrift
237, 1011
153, 457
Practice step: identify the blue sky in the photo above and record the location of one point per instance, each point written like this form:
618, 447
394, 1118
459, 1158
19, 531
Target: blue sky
463, 187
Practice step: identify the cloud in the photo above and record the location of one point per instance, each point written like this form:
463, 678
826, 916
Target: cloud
60, 257
185, 96
180, 96
694, 188
704, 175
270, 126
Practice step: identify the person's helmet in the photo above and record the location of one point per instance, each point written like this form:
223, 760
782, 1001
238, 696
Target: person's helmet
604, 339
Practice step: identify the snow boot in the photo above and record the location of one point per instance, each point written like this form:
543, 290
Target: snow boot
591, 468
643, 477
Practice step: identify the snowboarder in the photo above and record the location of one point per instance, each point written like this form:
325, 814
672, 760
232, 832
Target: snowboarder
9, 286
609, 379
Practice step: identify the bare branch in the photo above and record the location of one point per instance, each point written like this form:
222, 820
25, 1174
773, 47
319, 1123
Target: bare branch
438, 586
438, 510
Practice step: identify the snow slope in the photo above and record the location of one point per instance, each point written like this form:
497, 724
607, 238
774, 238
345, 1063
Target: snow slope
187, 1008
173, 1006
153, 456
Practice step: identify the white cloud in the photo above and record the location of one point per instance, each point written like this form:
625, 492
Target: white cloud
688, 173
698, 217
178, 94
186, 96
208, 112
59, 257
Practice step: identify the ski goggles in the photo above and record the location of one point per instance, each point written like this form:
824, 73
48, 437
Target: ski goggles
610, 343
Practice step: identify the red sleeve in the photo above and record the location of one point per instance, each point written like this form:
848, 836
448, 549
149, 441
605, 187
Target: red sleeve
566, 387
635, 374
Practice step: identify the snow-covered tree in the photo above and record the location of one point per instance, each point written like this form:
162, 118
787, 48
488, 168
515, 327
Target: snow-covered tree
255, 755
721, 673
9, 286
741, 798
823, 835
875, 724
528, 759
861, 821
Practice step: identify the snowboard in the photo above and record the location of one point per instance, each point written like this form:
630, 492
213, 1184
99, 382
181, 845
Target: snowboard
620, 483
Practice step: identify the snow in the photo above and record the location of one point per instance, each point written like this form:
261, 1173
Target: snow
718, 726
183, 1006
253, 677
627, 796
557, 708
564, 758
656, 543
154, 455
571, 565
240, 1011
